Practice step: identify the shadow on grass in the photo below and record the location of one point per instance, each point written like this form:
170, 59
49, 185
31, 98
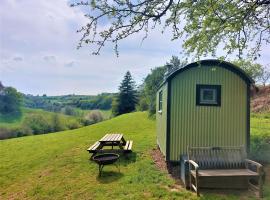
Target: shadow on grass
126, 159
109, 176
114, 175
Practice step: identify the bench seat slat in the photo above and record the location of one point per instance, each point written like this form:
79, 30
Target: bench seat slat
94, 147
224, 172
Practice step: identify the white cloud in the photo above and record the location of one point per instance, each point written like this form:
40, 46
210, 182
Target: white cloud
18, 58
49, 58
43, 34
70, 64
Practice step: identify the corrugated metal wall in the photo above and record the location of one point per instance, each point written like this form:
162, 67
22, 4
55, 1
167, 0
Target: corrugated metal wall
161, 119
193, 125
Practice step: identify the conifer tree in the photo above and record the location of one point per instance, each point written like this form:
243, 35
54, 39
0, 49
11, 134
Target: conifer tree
126, 100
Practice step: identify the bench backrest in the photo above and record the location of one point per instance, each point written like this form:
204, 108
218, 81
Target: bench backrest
218, 157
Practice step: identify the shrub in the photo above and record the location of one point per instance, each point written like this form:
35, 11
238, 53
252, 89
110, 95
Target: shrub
22, 131
93, 117
6, 133
74, 124
260, 148
142, 105
57, 124
38, 123
68, 110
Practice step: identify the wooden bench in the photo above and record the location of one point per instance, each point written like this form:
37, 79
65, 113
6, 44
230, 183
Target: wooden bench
128, 146
94, 147
206, 162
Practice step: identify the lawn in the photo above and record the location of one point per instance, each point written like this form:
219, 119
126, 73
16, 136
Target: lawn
56, 166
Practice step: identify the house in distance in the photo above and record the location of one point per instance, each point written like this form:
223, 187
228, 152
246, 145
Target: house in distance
205, 103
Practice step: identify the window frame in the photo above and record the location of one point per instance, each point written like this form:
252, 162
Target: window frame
199, 87
160, 102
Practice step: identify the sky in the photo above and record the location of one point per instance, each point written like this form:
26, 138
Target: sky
38, 53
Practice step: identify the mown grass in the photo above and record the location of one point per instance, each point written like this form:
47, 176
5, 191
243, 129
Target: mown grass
56, 166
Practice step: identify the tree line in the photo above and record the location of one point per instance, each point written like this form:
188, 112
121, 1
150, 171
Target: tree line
57, 103
129, 98
143, 97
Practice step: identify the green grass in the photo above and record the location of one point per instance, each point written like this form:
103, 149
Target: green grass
260, 124
260, 136
56, 166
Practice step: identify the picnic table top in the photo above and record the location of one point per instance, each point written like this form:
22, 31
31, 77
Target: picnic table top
115, 137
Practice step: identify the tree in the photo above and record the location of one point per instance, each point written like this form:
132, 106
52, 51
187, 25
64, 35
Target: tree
127, 98
1, 86
265, 75
174, 64
10, 100
254, 70
152, 82
57, 124
238, 26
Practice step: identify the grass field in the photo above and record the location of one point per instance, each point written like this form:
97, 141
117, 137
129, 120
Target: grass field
15, 120
56, 166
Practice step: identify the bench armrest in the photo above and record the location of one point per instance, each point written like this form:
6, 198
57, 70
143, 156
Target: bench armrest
253, 163
194, 164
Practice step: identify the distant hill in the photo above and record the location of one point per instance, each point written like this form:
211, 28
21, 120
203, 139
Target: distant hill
260, 99
101, 101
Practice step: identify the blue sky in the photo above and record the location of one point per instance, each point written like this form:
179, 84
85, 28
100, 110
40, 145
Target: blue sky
38, 52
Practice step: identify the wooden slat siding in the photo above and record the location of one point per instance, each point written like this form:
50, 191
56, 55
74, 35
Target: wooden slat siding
218, 158
225, 172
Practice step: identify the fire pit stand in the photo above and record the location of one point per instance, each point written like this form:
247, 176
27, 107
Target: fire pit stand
105, 159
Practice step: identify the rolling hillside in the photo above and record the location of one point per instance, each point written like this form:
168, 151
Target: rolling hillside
16, 120
57, 166
260, 99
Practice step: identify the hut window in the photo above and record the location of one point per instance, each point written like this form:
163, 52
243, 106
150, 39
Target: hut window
208, 95
160, 101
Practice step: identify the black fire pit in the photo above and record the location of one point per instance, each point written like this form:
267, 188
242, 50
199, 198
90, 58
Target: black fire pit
105, 159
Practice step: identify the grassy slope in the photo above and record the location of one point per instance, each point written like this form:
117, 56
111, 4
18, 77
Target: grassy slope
56, 166
10, 121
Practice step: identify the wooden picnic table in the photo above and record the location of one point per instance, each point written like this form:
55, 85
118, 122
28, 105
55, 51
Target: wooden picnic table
113, 140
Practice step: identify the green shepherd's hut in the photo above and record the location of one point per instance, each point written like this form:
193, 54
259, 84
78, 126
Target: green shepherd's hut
205, 103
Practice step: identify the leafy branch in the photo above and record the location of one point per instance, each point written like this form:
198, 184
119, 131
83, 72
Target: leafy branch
237, 26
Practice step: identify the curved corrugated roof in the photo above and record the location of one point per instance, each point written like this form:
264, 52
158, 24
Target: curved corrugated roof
219, 63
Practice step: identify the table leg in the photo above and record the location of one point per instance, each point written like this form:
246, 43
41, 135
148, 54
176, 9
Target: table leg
123, 140
100, 167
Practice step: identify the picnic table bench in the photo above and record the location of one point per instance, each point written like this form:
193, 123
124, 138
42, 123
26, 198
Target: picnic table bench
112, 140
206, 162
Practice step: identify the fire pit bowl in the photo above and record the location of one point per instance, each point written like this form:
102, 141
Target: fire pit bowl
105, 159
